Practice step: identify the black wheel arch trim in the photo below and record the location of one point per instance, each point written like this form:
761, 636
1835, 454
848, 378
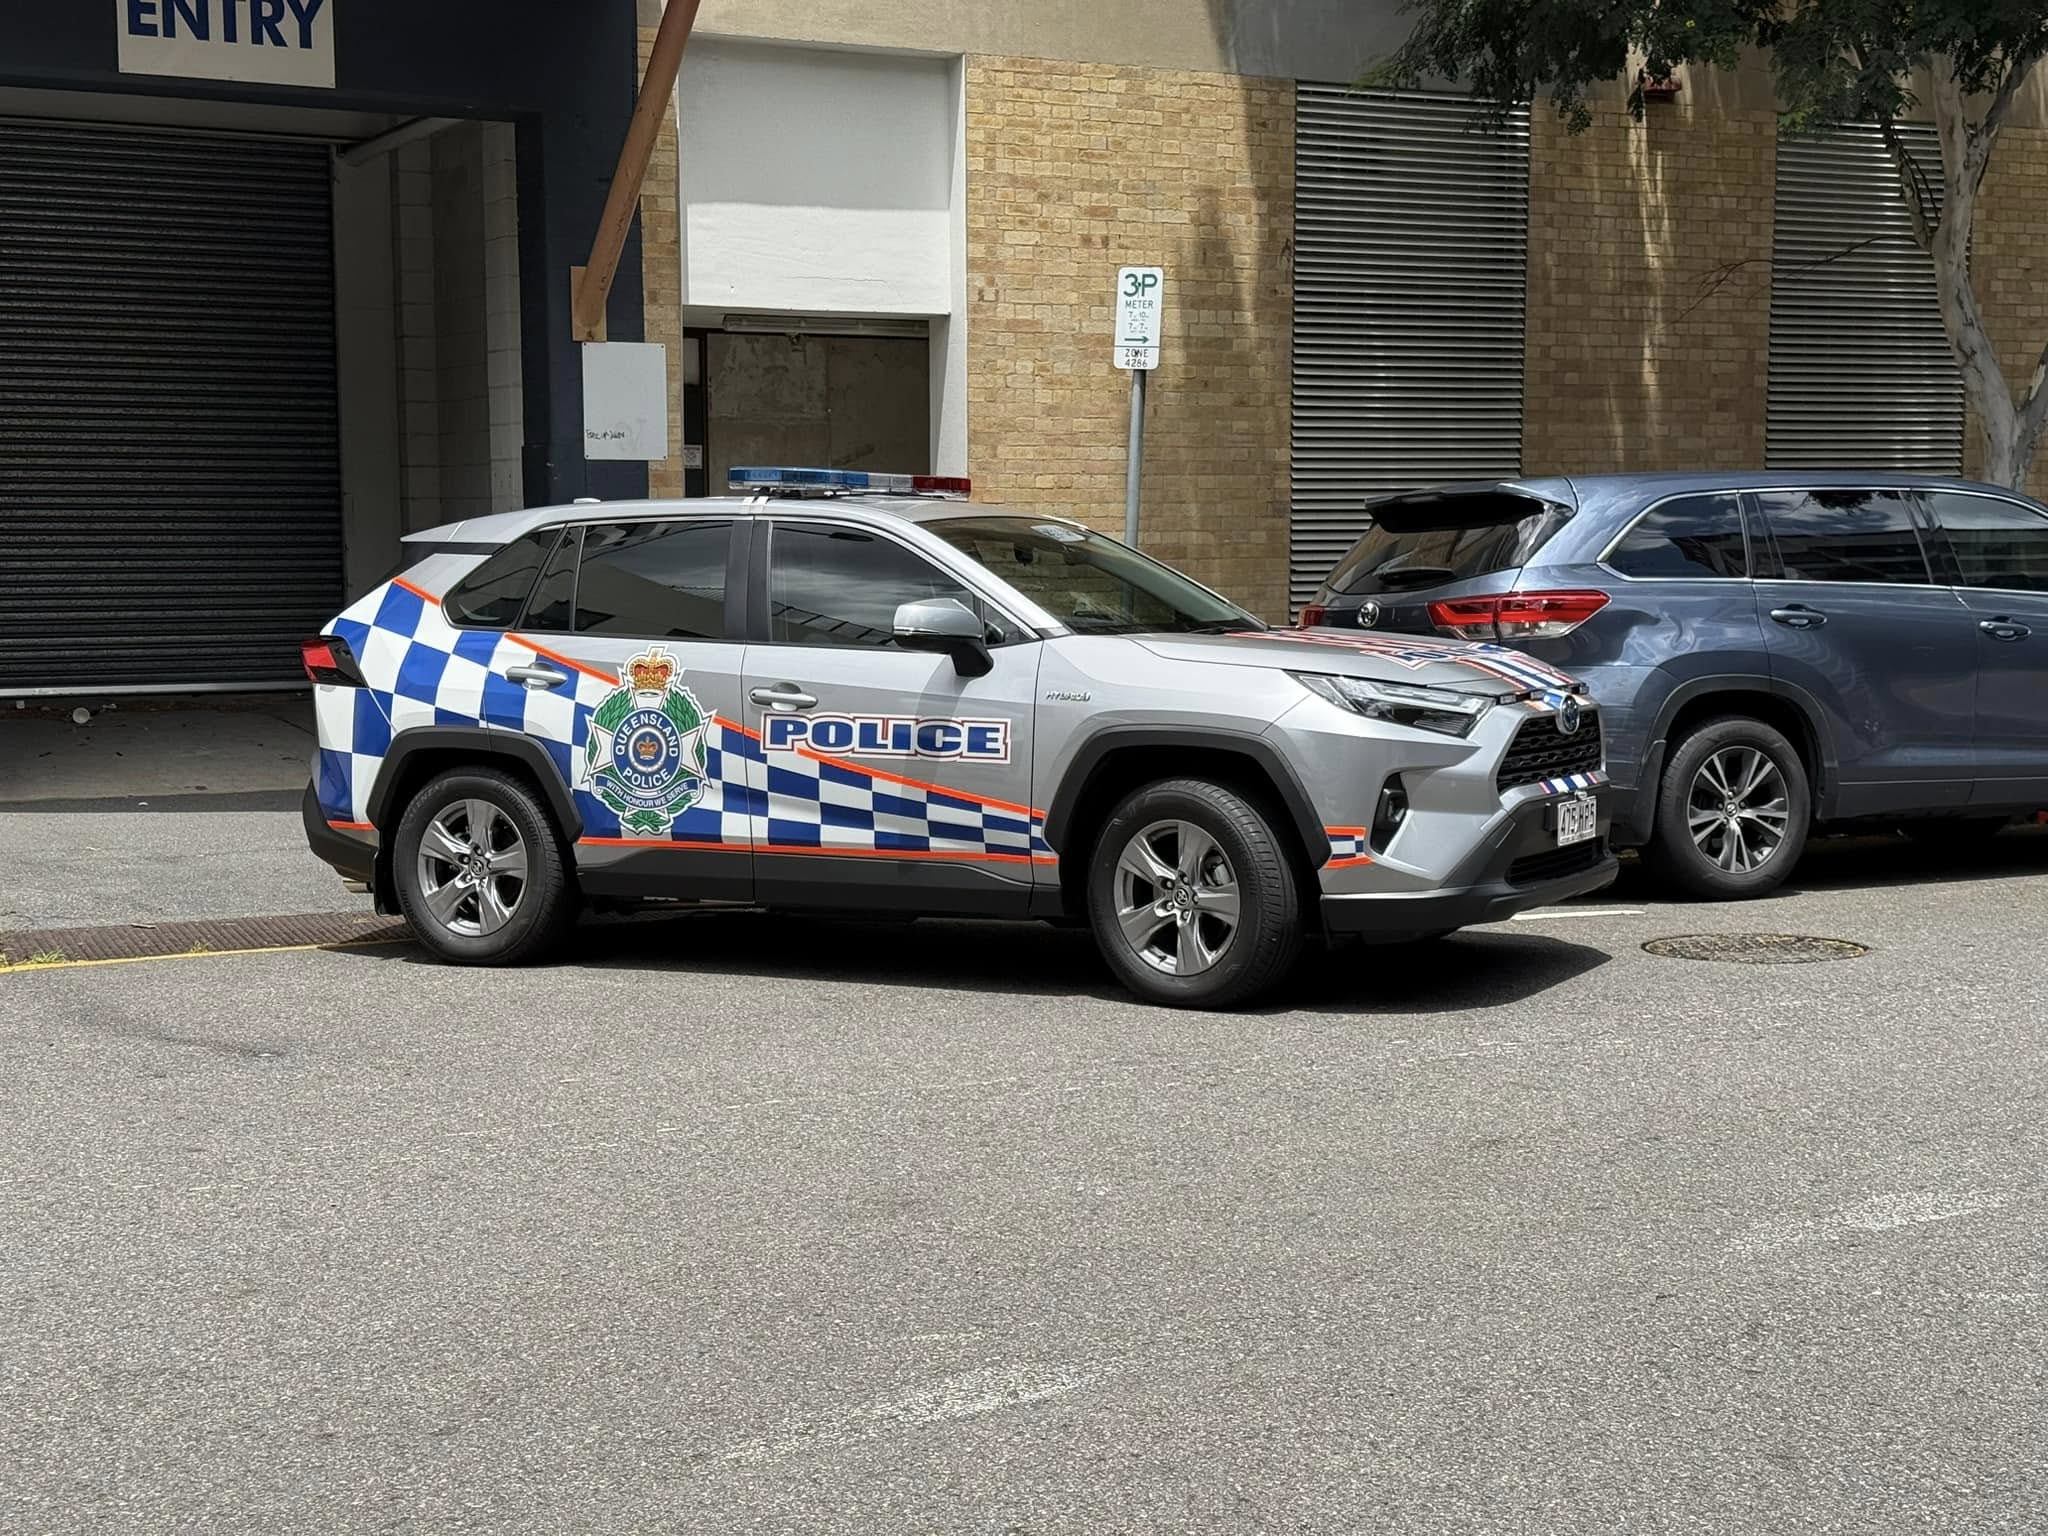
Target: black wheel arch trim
1254, 748
1826, 776
481, 742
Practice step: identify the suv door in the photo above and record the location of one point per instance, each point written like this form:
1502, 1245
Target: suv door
890, 779
625, 665
1998, 553
1856, 621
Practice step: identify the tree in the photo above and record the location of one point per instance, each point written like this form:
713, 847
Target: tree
1835, 61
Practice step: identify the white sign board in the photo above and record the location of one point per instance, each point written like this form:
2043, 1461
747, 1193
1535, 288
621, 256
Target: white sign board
625, 400
1140, 309
268, 42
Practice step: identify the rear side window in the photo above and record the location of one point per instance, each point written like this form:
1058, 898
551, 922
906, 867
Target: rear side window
491, 596
1865, 536
1692, 538
1449, 540
663, 581
1997, 543
555, 592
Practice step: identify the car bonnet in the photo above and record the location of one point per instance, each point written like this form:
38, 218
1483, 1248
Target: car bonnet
1460, 664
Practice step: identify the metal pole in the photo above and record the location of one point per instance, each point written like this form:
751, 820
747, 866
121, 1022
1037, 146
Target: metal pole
1137, 461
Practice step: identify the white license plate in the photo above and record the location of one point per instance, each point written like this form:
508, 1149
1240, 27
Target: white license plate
1577, 819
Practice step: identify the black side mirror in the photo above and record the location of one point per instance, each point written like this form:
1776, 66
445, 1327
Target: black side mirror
948, 626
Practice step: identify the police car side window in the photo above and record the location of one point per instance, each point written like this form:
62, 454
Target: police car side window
839, 586
491, 596
663, 581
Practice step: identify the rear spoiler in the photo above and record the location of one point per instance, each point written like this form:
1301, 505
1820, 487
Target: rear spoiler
1485, 500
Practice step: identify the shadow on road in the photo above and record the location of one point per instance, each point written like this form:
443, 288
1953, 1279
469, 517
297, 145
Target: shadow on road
1485, 969
1872, 860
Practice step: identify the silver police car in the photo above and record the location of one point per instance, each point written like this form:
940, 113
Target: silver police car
858, 692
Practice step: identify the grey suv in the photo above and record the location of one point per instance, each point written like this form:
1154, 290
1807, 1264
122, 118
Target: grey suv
1769, 651
893, 703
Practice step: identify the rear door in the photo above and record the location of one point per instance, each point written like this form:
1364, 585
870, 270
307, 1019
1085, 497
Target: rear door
887, 778
1998, 548
1856, 621
626, 667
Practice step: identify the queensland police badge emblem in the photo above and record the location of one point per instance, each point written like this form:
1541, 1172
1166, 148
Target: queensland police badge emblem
644, 757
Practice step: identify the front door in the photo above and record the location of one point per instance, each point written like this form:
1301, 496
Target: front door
888, 778
1854, 620
625, 666
2000, 553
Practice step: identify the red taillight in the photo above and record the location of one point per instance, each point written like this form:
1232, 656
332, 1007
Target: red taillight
327, 659
942, 485
1515, 615
1313, 615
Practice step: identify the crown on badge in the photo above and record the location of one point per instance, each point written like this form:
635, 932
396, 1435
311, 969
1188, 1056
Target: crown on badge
650, 673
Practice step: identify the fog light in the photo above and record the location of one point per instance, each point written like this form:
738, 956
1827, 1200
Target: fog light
1388, 815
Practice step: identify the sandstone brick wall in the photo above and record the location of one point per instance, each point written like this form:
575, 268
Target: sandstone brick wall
2009, 258
1632, 363
1072, 171
661, 273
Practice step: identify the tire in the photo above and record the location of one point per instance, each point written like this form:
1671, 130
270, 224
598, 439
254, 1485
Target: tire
1729, 747
1237, 850
439, 892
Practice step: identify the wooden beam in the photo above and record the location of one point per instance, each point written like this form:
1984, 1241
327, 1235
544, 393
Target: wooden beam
657, 91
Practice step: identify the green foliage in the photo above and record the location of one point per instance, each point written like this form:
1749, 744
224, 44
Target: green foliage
1835, 60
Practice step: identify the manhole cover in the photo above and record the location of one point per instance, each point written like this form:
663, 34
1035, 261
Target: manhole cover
1756, 948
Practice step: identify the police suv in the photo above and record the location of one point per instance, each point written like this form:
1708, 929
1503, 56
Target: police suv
854, 691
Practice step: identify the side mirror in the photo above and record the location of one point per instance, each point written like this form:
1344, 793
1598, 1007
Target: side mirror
948, 626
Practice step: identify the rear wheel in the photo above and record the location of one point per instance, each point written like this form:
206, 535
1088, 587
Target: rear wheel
480, 871
1733, 811
1191, 896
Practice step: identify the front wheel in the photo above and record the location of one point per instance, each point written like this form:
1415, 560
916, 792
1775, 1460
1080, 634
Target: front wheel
1732, 812
1191, 896
479, 870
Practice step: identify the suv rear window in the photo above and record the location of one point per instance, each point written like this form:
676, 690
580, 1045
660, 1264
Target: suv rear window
492, 595
1692, 538
1451, 538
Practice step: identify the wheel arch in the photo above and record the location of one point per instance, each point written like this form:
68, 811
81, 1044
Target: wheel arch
1786, 709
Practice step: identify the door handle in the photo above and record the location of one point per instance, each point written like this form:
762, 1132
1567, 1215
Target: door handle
1799, 616
537, 678
2003, 628
783, 696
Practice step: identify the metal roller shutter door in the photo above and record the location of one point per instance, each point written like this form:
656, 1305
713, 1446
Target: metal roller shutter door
1411, 240
1861, 374
170, 489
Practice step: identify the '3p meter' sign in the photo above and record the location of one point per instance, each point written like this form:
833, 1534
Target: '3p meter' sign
1140, 315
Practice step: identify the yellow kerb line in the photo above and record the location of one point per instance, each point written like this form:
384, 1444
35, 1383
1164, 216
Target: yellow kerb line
204, 954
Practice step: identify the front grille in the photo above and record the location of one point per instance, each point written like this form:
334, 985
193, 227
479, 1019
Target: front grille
1540, 751
1556, 863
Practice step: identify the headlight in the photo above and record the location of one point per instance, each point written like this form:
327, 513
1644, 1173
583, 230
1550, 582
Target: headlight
1443, 710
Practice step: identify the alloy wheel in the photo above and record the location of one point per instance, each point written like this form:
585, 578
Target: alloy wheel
472, 868
1176, 898
1738, 809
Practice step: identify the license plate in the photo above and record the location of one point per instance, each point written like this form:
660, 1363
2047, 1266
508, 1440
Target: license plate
1577, 819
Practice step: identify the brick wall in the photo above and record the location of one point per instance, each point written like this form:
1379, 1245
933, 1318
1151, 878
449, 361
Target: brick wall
661, 274
1072, 171
1649, 290
2009, 259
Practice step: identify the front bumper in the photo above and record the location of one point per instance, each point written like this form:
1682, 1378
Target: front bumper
353, 858
1520, 866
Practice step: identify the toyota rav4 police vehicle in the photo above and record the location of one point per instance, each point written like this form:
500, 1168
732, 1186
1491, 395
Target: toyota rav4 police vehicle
855, 691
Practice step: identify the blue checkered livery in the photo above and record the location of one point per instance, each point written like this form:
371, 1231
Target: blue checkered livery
1347, 844
1572, 781
421, 670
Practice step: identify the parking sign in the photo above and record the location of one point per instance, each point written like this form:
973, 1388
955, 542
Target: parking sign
1140, 310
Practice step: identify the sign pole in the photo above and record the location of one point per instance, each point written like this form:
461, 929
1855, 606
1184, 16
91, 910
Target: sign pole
1136, 468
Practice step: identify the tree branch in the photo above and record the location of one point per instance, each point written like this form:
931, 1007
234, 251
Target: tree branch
1719, 277
1913, 184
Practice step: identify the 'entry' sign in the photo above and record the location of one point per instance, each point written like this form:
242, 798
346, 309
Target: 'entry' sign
269, 42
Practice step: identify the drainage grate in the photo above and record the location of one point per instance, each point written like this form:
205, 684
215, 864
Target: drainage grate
140, 941
1756, 948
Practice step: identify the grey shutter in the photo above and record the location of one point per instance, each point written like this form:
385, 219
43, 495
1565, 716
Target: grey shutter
1411, 240
1861, 373
170, 502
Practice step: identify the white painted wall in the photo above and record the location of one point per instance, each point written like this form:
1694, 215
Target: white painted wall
818, 182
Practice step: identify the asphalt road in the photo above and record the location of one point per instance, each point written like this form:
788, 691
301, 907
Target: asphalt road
748, 1224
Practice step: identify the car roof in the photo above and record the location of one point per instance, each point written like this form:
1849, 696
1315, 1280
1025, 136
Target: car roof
1662, 481
503, 527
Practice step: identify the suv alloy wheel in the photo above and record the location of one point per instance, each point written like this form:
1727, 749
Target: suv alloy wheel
1732, 811
1191, 897
479, 870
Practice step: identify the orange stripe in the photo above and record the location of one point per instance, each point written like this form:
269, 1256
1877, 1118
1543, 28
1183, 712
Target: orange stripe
400, 581
353, 826
563, 661
828, 851
660, 842
1346, 863
1345, 831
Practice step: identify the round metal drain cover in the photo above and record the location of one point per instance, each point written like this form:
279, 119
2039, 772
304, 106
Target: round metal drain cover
1756, 948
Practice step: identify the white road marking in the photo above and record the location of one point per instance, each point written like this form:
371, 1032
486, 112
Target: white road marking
1542, 914
971, 1393
1880, 1213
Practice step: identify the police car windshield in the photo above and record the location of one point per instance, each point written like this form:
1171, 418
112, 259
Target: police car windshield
1091, 584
